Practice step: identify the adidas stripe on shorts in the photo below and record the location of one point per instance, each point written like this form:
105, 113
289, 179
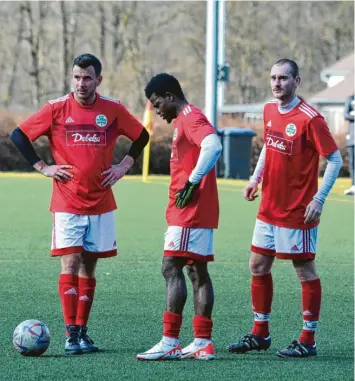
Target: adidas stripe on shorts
191, 243
74, 233
284, 243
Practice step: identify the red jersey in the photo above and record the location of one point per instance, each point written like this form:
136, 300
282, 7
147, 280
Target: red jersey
293, 142
191, 127
84, 137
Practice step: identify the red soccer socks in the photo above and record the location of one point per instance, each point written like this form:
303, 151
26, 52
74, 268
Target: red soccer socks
86, 296
68, 293
172, 324
202, 327
311, 301
261, 295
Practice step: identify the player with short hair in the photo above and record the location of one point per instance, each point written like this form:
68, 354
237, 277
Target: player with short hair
82, 128
295, 135
192, 214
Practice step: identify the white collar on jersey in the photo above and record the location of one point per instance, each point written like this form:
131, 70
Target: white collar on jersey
284, 109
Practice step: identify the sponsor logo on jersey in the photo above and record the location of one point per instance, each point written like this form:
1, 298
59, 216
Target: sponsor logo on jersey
86, 138
101, 120
276, 143
291, 130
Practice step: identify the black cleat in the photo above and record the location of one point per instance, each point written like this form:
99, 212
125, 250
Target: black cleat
86, 344
248, 343
296, 349
72, 346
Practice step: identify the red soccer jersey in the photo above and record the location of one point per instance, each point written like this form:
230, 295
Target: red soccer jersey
191, 126
293, 142
84, 137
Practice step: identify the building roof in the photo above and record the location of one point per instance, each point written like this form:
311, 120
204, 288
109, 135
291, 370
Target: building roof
343, 66
335, 94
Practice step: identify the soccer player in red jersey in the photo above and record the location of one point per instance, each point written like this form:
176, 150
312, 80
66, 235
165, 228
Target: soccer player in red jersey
295, 135
82, 128
192, 214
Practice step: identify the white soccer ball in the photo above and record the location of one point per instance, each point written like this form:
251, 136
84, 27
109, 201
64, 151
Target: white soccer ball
31, 338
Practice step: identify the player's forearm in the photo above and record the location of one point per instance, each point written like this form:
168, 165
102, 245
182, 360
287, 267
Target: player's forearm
139, 144
210, 150
259, 169
23, 144
334, 163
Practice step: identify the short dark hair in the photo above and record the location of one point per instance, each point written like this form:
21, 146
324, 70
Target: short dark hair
164, 83
294, 67
86, 60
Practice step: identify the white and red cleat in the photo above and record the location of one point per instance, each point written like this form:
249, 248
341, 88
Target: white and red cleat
199, 349
162, 351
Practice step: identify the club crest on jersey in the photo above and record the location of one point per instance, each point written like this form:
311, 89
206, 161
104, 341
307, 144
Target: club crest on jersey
291, 130
101, 120
175, 134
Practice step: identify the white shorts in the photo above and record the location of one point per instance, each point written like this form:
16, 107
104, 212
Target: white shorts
284, 243
74, 233
191, 243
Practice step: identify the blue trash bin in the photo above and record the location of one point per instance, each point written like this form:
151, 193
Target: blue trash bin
236, 152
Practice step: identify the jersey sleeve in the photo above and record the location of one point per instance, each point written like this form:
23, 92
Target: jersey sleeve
320, 137
38, 124
128, 125
196, 128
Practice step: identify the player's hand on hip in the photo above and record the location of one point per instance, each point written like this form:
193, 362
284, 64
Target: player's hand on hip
114, 173
58, 172
313, 212
250, 191
183, 196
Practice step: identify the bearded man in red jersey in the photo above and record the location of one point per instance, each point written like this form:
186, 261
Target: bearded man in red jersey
82, 128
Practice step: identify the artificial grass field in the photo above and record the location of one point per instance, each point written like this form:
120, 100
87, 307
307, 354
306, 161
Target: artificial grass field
129, 302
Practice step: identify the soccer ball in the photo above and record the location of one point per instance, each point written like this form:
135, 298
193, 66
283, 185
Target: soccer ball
31, 338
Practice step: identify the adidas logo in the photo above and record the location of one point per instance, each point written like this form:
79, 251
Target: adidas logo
307, 313
171, 245
71, 291
294, 248
69, 120
269, 124
85, 298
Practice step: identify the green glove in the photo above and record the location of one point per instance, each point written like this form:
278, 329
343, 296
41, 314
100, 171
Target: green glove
184, 195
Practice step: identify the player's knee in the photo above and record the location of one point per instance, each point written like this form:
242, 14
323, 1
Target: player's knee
71, 263
259, 266
170, 268
191, 273
305, 270
197, 274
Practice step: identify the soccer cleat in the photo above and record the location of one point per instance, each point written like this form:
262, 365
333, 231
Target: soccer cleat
297, 349
86, 344
350, 191
72, 346
162, 351
199, 352
249, 343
